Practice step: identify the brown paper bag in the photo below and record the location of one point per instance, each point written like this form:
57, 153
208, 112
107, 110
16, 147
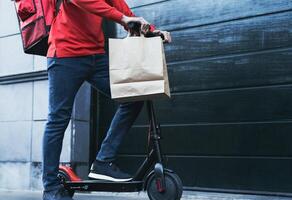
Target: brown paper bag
138, 69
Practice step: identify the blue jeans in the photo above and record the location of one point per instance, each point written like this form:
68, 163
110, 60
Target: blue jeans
66, 75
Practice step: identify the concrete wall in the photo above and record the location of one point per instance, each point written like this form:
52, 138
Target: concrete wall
23, 112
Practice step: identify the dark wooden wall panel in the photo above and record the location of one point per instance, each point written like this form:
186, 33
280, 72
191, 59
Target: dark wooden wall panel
225, 106
234, 139
260, 69
249, 35
229, 122
241, 173
174, 14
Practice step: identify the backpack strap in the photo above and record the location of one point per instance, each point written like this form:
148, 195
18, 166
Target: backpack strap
58, 5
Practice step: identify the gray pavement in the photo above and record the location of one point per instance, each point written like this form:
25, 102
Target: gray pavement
36, 195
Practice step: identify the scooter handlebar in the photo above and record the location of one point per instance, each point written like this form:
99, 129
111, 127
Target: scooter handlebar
134, 26
135, 29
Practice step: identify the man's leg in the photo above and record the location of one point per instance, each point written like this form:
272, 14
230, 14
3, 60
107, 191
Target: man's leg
65, 78
121, 123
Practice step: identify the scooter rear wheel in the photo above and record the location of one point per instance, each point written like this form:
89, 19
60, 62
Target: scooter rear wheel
173, 187
63, 176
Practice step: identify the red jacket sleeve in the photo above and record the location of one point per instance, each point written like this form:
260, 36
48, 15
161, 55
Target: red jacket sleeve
110, 9
121, 6
99, 7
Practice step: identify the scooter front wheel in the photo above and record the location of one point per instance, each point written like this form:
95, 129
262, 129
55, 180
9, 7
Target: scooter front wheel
173, 187
64, 177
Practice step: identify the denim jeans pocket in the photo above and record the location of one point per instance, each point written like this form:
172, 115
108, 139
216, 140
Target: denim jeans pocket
51, 62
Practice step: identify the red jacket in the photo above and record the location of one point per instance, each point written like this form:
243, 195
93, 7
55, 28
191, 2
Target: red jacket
77, 29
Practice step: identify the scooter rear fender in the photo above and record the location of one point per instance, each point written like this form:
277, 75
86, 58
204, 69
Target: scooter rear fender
69, 171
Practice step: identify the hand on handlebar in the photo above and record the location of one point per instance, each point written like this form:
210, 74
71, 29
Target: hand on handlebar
144, 24
137, 25
165, 35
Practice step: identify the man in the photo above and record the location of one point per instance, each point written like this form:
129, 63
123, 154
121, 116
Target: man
76, 54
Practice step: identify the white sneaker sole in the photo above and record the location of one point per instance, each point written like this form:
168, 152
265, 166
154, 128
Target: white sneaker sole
108, 178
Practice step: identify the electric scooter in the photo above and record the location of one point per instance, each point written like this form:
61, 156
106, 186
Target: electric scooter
152, 176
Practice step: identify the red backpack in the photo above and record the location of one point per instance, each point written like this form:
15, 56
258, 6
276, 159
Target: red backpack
35, 18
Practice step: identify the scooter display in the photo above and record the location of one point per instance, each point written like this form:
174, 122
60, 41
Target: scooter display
159, 182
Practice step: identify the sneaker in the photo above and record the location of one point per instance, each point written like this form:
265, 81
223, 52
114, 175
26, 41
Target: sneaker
58, 194
107, 171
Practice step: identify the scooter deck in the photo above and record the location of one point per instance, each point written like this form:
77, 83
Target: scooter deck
99, 185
